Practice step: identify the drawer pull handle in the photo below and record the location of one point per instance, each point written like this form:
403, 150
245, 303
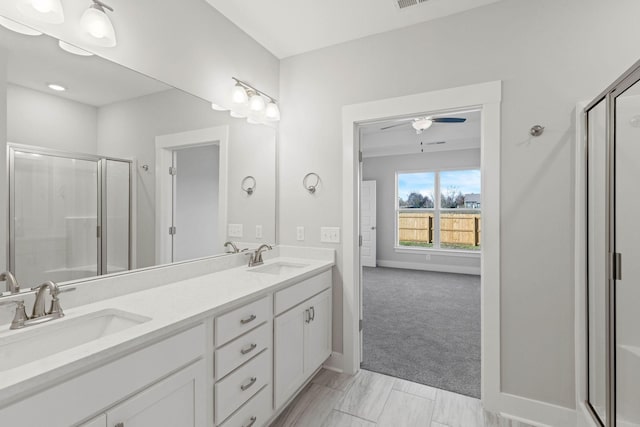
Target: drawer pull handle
249, 348
313, 313
248, 385
248, 319
307, 316
252, 421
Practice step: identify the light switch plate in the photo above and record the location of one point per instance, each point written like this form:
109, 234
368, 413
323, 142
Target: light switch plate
234, 230
330, 234
258, 232
299, 233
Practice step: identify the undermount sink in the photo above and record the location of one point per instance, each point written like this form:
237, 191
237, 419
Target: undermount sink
278, 268
63, 334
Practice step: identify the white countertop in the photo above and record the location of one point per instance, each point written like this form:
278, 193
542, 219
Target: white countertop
171, 307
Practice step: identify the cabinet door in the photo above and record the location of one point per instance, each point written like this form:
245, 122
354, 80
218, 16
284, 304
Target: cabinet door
174, 401
289, 353
317, 333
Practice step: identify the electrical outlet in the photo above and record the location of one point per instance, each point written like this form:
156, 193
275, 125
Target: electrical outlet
235, 230
300, 233
258, 232
330, 234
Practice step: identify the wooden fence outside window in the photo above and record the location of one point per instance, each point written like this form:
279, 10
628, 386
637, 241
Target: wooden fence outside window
455, 229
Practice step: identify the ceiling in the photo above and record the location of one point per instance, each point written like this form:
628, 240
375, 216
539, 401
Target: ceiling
290, 27
403, 139
35, 62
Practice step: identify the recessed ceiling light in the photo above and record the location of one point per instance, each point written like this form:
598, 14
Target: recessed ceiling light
56, 87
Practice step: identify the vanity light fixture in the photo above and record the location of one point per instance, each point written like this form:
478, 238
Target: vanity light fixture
49, 11
56, 87
73, 49
254, 104
97, 24
18, 28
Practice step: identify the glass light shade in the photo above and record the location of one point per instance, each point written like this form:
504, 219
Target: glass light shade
422, 124
72, 49
217, 107
256, 102
239, 95
49, 11
272, 112
18, 28
97, 24
236, 114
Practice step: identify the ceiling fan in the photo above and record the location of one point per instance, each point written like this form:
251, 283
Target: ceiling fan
420, 124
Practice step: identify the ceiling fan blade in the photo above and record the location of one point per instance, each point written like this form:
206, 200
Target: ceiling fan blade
448, 120
395, 126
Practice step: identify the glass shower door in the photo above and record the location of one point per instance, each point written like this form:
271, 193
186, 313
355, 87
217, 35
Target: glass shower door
627, 243
54, 213
116, 216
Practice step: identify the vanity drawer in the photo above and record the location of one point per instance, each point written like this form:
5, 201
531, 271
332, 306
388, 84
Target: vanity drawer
241, 320
237, 388
244, 348
255, 413
294, 295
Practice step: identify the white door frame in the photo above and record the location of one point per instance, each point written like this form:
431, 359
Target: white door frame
165, 145
486, 96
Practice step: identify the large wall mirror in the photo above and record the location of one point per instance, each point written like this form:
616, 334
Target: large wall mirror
109, 170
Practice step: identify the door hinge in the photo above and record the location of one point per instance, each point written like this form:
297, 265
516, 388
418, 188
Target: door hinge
360, 240
172, 230
172, 171
98, 231
360, 324
360, 156
616, 266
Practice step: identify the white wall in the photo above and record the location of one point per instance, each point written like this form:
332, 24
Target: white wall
383, 171
44, 120
549, 55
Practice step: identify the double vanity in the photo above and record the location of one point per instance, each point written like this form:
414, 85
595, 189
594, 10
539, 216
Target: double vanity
227, 348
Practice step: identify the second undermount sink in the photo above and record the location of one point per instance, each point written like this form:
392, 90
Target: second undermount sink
59, 335
278, 268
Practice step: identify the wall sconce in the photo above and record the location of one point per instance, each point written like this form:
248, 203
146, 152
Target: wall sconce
255, 105
49, 11
96, 23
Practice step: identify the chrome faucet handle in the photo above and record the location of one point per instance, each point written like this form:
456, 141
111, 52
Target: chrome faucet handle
20, 316
55, 308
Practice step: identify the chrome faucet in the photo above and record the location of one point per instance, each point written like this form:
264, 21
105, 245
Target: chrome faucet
39, 315
12, 283
256, 257
234, 248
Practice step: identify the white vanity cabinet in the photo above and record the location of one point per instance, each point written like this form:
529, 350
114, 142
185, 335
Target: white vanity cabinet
302, 334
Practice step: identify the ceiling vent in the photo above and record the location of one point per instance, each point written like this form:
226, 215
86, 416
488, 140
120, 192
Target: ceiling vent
402, 4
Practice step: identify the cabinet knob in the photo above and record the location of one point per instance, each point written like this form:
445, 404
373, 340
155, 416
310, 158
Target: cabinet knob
252, 421
248, 385
248, 319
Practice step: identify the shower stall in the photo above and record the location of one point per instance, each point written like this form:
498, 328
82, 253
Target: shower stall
69, 215
613, 253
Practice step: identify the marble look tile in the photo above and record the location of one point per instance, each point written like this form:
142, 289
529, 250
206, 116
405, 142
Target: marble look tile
340, 419
312, 406
367, 395
415, 389
495, 420
455, 410
406, 410
333, 380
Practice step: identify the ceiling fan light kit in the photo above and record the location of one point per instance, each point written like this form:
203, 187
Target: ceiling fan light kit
420, 124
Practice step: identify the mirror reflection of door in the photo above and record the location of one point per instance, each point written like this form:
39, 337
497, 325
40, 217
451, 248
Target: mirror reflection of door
195, 202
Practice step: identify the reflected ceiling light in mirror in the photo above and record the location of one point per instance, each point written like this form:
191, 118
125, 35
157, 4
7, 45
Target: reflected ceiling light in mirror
217, 107
49, 11
97, 24
237, 114
56, 87
18, 28
256, 105
72, 49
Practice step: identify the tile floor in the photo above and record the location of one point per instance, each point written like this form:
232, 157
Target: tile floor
370, 399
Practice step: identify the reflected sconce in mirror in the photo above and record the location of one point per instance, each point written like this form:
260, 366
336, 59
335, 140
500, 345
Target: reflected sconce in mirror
18, 28
49, 11
96, 23
310, 182
253, 104
248, 184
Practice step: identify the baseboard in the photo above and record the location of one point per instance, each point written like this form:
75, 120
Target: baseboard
442, 268
335, 362
535, 412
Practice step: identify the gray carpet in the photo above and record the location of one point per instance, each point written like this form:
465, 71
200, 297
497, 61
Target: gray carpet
423, 327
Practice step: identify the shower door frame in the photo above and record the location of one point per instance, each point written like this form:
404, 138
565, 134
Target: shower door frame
101, 209
608, 96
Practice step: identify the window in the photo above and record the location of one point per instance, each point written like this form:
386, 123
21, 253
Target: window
439, 209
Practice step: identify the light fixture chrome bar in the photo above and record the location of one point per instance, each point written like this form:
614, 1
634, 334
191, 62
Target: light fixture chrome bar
249, 87
101, 5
